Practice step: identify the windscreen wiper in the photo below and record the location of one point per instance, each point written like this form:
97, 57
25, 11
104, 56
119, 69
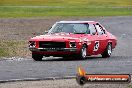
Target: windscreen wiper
79, 33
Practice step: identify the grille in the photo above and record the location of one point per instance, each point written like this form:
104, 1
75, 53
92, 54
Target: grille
47, 44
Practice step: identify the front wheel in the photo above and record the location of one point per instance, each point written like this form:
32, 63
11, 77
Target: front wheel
108, 51
37, 57
83, 53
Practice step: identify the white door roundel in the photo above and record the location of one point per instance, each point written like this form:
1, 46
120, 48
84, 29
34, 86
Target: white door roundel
96, 46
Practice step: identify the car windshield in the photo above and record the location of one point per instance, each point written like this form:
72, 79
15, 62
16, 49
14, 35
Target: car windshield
76, 28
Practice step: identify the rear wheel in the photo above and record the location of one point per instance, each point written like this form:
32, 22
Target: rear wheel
37, 57
108, 51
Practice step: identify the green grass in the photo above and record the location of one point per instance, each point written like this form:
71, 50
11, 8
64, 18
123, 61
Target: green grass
10, 48
130, 86
68, 2
65, 8
69, 11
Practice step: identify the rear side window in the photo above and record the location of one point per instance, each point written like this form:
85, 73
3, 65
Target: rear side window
100, 30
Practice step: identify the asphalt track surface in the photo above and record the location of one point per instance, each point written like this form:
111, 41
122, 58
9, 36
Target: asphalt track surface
119, 62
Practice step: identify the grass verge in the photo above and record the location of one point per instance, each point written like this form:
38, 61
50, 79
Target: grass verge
10, 48
63, 11
130, 86
67, 2
40, 8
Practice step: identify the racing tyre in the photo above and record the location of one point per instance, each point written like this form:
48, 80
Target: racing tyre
83, 53
37, 57
108, 51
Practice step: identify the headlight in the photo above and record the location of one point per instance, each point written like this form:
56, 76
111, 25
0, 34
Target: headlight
32, 44
72, 44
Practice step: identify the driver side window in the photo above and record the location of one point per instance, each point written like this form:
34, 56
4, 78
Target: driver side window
92, 29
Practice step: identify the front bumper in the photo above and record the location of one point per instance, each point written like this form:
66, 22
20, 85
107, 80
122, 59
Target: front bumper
53, 49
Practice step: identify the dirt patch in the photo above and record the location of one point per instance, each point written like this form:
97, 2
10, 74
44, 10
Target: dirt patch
22, 29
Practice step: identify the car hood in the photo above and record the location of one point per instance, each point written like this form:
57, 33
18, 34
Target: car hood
58, 37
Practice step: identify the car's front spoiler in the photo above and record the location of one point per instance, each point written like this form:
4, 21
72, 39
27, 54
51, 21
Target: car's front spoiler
53, 49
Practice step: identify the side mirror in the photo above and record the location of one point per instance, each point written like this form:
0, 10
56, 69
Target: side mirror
46, 32
93, 33
36, 33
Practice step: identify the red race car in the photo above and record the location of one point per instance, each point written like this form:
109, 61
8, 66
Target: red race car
73, 39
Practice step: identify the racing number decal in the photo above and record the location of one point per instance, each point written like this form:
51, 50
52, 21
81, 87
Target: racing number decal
96, 47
